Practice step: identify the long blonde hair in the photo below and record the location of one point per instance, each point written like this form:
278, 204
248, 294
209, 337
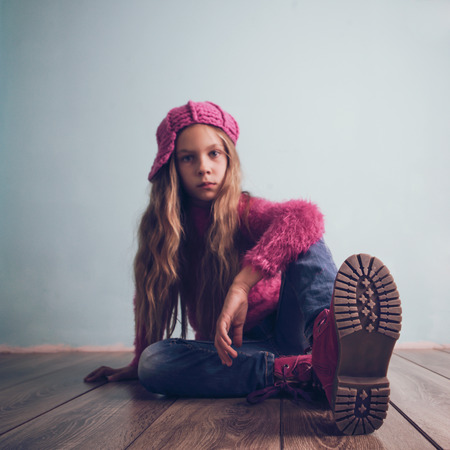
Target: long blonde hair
161, 257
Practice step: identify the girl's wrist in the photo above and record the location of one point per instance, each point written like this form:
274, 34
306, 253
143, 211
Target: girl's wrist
247, 278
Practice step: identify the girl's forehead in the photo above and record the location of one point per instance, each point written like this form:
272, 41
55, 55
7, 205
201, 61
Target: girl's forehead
197, 136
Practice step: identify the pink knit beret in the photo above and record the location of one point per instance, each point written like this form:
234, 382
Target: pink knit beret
183, 116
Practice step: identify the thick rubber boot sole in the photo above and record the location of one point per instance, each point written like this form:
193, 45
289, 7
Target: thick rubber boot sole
368, 316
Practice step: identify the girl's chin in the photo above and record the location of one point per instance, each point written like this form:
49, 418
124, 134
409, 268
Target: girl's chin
206, 198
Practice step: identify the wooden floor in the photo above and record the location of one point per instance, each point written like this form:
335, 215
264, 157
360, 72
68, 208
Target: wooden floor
44, 404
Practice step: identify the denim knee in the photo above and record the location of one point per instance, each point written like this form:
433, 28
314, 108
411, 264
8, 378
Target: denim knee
154, 366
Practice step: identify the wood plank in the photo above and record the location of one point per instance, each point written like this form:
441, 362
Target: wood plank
430, 359
8, 361
214, 423
31, 398
112, 417
28, 367
311, 426
423, 396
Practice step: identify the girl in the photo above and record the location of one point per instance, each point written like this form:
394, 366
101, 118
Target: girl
217, 257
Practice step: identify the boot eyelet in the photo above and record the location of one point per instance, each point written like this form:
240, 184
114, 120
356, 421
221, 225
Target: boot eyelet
287, 366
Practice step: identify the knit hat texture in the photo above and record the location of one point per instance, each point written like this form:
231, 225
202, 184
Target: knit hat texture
183, 116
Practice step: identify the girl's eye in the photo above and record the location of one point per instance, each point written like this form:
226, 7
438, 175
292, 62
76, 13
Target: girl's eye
187, 158
215, 153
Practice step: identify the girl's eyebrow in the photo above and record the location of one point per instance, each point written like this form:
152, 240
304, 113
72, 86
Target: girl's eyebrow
210, 147
185, 151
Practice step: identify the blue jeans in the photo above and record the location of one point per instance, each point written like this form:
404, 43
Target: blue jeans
193, 368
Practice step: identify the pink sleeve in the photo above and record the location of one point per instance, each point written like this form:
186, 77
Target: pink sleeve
139, 339
281, 230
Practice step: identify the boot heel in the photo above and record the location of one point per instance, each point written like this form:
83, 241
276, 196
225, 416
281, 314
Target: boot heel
361, 408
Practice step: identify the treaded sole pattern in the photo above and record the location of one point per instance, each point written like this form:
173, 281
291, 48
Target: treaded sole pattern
360, 411
366, 303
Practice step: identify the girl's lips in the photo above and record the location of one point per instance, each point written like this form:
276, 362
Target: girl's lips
206, 185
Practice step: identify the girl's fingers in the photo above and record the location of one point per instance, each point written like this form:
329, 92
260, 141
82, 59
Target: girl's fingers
87, 377
124, 373
221, 348
223, 333
225, 351
225, 357
226, 360
228, 348
227, 339
117, 376
223, 342
101, 372
232, 352
237, 335
92, 375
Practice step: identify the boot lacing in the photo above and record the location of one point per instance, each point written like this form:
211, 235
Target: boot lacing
292, 387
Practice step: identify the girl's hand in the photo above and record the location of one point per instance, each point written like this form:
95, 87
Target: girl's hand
124, 373
232, 318
233, 315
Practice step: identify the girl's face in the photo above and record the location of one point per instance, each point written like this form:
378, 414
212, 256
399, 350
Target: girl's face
201, 161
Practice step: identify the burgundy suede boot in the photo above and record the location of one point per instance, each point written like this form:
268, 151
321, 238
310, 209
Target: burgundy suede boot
292, 374
353, 344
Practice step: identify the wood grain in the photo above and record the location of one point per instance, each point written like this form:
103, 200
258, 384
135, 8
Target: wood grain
433, 360
214, 423
111, 417
55, 409
311, 426
8, 360
30, 367
423, 396
27, 400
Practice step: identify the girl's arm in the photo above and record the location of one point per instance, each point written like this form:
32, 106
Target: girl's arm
234, 312
281, 231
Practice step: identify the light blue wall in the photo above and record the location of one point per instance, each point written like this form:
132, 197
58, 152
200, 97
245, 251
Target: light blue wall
345, 103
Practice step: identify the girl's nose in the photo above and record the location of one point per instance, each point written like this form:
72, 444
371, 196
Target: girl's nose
203, 167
